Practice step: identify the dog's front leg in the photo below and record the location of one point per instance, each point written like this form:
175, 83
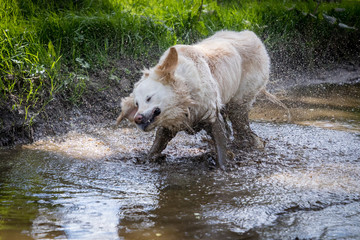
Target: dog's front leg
218, 133
162, 138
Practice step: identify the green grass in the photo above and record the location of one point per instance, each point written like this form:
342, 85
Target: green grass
50, 47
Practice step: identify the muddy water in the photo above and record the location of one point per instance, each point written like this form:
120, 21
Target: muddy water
95, 183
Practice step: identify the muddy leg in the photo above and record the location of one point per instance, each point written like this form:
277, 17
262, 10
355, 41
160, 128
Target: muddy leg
244, 137
218, 133
162, 138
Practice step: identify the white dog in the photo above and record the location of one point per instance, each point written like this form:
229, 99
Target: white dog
194, 87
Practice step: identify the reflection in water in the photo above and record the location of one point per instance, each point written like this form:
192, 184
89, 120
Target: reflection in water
94, 185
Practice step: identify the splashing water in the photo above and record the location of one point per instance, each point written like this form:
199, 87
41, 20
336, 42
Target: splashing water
94, 184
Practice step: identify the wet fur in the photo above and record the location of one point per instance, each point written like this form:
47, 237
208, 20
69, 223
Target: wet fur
224, 72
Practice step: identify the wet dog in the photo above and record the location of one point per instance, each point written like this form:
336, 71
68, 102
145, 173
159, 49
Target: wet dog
194, 87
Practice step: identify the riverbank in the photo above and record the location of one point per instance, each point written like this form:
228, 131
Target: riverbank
97, 107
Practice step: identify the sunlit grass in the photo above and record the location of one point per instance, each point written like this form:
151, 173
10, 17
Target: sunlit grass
49, 47
27, 69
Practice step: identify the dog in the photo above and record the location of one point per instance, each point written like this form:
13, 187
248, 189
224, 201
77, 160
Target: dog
200, 86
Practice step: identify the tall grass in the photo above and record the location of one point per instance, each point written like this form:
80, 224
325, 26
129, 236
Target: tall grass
49, 46
28, 69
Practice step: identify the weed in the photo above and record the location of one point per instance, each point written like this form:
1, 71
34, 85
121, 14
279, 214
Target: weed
27, 69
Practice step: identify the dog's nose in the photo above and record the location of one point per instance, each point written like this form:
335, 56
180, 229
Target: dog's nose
157, 112
139, 119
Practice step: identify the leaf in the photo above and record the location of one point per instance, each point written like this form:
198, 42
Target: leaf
51, 49
342, 25
329, 19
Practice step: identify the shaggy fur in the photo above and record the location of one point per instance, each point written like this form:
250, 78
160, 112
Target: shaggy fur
192, 84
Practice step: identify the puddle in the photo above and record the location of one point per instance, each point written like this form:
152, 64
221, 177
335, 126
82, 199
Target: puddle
94, 184
328, 106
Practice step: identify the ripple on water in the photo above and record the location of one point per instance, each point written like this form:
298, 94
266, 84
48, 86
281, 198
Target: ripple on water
81, 185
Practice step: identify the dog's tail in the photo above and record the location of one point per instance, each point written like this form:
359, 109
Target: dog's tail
276, 101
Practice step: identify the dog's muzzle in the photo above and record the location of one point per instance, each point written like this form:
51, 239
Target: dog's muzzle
143, 121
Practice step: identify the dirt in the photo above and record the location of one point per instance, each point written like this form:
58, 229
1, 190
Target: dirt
106, 87
100, 102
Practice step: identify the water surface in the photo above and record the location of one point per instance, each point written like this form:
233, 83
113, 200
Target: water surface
95, 184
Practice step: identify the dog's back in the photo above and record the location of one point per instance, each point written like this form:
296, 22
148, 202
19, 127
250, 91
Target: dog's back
239, 63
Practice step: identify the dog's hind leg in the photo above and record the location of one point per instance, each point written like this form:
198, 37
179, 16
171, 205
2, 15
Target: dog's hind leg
162, 138
244, 137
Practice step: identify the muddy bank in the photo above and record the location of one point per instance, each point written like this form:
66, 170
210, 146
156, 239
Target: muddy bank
284, 78
101, 101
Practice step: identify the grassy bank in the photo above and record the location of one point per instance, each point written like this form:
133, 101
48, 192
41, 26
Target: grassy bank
51, 47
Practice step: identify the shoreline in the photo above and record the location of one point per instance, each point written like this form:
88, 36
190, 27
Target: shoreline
104, 106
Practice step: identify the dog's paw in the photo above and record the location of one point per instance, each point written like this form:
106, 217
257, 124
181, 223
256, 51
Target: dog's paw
248, 142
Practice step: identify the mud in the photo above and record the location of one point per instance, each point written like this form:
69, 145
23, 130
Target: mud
101, 101
94, 182
95, 185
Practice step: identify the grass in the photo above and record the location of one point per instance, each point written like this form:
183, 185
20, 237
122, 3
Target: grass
50, 47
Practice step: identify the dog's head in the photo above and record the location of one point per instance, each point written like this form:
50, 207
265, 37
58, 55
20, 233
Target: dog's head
156, 100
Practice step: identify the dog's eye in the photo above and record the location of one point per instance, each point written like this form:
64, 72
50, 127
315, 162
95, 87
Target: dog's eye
148, 99
137, 105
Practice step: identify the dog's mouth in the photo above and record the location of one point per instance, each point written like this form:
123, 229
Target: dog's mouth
143, 121
145, 125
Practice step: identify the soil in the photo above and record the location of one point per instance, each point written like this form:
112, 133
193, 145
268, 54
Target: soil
101, 102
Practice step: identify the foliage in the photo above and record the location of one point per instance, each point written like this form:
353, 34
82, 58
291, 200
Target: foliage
50, 46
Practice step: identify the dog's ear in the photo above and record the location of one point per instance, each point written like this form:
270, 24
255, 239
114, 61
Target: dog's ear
167, 68
128, 109
170, 61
